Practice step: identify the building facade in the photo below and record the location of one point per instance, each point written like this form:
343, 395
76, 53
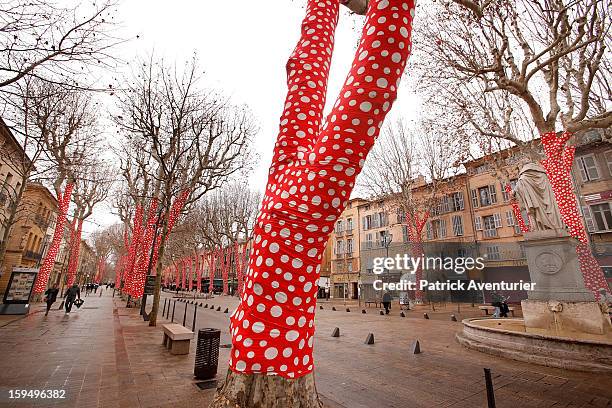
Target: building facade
31, 234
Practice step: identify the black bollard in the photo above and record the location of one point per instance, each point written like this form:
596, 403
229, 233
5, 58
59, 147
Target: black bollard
334, 308
173, 309
416, 347
382, 313
453, 318
218, 308
321, 307
348, 310
164, 310
363, 311
226, 310
370, 338
402, 314
185, 315
490, 391
336, 332
195, 316
206, 305
425, 316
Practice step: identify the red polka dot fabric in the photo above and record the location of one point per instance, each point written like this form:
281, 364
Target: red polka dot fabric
312, 174
40, 285
558, 165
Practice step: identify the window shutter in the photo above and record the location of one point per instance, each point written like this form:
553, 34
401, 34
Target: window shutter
429, 231
478, 223
588, 218
493, 194
510, 218
474, 198
443, 228
583, 173
497, 220
504, 192
461, 203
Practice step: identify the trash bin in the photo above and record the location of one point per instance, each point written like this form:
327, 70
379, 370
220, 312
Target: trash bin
207, 354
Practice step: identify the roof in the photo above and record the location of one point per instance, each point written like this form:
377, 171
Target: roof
9, 135
44, 190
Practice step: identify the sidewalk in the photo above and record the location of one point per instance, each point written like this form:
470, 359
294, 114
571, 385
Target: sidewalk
102, 355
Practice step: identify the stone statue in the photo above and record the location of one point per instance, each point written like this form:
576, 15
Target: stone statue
535, 195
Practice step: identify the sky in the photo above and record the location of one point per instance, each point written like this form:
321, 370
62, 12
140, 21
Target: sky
242, 45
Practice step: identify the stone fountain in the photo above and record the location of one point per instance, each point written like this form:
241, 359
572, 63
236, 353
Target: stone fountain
563, 325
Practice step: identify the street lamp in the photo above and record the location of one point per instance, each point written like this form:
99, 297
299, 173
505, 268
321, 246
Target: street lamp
387, 239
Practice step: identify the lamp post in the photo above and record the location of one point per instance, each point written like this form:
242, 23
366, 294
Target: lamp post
387, 240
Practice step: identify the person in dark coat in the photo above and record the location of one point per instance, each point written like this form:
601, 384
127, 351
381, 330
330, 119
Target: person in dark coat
386, 301
71, 295
51, 297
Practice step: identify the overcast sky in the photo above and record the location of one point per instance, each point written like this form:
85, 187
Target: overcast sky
243, 46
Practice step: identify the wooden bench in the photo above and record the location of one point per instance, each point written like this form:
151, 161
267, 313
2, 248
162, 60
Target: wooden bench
376, 302
487, 308
177, 338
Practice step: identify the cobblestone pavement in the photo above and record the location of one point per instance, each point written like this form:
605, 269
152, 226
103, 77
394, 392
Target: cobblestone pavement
104, 355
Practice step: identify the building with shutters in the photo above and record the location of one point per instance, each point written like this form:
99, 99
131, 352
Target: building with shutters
592, 176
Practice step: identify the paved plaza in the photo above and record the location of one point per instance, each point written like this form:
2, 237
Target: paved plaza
104, 355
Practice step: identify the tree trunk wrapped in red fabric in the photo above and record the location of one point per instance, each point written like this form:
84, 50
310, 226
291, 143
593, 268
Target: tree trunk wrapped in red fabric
45, 270
310, 181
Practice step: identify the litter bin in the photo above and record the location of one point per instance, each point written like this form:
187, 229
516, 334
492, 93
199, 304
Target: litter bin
207, 354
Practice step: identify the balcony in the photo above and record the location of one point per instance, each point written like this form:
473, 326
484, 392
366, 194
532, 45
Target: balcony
31, 255
41, 222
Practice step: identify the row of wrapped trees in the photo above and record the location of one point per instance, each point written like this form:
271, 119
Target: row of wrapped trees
49, 53
180, 142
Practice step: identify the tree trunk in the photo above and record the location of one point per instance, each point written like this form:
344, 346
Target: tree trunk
158, 277
261, 391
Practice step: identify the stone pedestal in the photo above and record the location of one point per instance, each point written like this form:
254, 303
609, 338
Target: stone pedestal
560, 304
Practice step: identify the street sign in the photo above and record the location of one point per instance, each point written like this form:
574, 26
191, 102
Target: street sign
149, 285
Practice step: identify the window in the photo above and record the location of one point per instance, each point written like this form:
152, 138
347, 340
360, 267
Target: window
445, 204
474, 198
493, 193
498, 220
349, 246
429, 232
339, 247
493, 252
478, 223
588, 218
602, 216
435, 227
401, 217
457, 201
367, 222
368, 243
457, 225
588, 168
339, 226
349, 267
405, 233
505, 194
485, 196
609, 160
510, 218
490, 230
349, 224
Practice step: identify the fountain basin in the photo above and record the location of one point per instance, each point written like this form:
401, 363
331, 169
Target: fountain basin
508, 338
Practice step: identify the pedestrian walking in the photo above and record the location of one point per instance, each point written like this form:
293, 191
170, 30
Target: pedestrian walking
71, 295
51, 297
386, 301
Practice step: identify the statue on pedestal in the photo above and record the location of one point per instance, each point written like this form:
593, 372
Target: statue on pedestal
535, 195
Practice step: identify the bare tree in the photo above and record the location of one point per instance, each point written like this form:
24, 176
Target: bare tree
410, 169
187, 141
41, 39
544, 57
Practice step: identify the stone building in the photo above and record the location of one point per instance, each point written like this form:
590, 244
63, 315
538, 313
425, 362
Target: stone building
592, 176
345, 262
32, 232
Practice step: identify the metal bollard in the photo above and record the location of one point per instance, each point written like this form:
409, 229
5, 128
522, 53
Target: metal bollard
207, 354
195, 316
164, 310
185, 315
490, 392
173, 309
